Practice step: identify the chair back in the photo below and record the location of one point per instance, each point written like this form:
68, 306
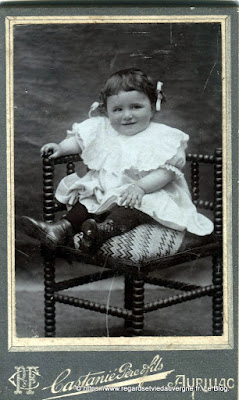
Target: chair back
196, 160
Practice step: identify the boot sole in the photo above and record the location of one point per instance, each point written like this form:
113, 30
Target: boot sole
36, 232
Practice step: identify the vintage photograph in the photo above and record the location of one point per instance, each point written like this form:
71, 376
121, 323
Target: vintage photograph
118, 138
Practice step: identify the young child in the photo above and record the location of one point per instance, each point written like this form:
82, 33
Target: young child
134, 169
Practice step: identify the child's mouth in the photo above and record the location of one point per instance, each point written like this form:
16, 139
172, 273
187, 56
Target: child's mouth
129, 123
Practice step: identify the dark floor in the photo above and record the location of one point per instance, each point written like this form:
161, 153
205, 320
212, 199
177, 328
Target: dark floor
189, 319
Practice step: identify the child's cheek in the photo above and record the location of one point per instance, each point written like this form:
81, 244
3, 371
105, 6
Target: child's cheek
116, 119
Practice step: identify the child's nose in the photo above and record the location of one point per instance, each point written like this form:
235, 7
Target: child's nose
127, 114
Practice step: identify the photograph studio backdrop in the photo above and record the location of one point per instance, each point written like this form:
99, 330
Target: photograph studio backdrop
59, 70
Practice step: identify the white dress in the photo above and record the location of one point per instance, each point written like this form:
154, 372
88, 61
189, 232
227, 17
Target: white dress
115, 161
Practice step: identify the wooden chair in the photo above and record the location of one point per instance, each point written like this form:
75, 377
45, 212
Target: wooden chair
136, 273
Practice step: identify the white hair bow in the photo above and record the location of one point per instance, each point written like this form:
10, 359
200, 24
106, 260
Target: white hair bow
159, 95
93, 107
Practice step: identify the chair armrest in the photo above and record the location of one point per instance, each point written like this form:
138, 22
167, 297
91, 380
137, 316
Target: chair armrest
67, 159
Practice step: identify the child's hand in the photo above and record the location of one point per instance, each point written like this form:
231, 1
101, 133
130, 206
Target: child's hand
55, 148
132, 196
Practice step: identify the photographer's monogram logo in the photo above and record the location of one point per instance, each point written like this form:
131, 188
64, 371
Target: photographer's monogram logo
25, 379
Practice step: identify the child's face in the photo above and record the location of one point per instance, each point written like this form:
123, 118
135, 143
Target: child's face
129, 112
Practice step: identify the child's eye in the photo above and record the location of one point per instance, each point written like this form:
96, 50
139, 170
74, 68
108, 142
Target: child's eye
117, 109
136, 107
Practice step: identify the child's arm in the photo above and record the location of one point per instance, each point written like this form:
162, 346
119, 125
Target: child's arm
66, 147
155, 180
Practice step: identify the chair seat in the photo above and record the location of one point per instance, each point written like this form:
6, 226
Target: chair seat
149, 244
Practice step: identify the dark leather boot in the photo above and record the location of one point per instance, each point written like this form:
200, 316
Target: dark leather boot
51, 235
95, 234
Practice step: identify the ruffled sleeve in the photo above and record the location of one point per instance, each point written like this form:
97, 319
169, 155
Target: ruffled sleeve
85, 132
177, 162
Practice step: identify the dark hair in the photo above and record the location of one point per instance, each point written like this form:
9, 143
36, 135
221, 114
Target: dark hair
128, 80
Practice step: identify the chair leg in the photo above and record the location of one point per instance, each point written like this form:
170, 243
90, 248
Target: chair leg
49, 280
128, 298
217, 296
137, 306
